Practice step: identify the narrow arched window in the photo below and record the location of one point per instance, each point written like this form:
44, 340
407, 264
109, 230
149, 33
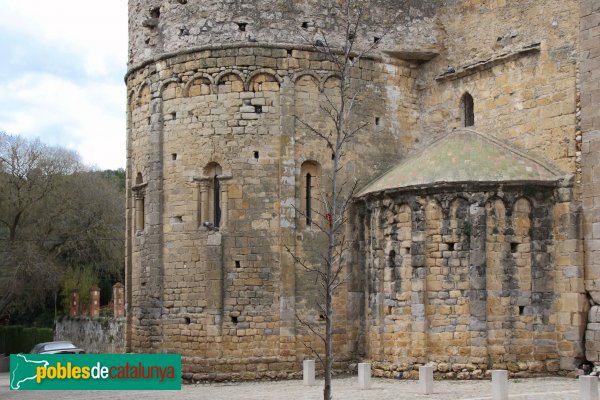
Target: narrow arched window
139, 213
217, 200
309, 204
139, 195
468, 113
308, 189
211, 196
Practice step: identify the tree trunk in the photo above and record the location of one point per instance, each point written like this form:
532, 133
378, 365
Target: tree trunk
328, 348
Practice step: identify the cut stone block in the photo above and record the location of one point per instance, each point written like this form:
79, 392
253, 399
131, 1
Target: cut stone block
500, 384
426, 379
364, 375
308, 372
588, 387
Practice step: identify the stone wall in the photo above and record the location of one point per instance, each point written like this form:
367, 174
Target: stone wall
234, 292
459, 279
589, 77
220, 97
157, 27
518, 60
95, 336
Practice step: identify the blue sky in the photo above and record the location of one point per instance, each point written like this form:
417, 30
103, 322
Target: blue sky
62, 64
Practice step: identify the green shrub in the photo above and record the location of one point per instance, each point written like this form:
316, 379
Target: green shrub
18, 339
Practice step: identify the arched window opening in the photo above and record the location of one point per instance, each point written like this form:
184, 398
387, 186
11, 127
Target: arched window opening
216, 201
308, 199
468, 113
138, 190
139, 214
309, 171
521, 246
213, 198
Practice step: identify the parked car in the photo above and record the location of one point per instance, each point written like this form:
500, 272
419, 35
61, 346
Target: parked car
62, 347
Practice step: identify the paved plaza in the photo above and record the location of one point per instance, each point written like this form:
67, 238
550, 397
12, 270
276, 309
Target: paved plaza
552, 388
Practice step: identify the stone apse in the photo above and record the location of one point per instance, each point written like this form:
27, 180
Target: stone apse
473, 233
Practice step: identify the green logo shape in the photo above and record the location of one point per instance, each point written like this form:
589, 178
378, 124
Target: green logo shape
95, 372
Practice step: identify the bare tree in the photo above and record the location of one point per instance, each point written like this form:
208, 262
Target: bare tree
337, 194
30, 173
54, 216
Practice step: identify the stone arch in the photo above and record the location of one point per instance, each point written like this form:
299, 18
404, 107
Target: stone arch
307, 103
189, 89
212, 168
521, 200
170, 89
217, 160
140, 87
389, 221
498, 300
434, 281
235, 79
521, 244
254, 81
211, 195
299, 75
329, 77
144, 93
376, 266
459, 222
521, 279
522, 204
496, 245
307, 83
404, 237
433, 226
455, 267
390, 249
131, 100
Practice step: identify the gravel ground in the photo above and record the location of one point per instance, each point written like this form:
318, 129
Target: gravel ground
552, 388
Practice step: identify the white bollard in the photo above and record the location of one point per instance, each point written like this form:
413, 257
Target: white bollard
588, 387
500, 384
308, 372
364, 375
426, 379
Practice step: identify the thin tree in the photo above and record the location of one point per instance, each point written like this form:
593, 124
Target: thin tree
337, 195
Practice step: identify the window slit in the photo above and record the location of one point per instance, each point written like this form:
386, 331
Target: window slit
217, 200
468, 110
308, 199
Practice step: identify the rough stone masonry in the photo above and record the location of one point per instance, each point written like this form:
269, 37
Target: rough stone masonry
475, 233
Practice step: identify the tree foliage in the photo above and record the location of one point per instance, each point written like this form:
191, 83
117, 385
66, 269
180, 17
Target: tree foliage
56, 217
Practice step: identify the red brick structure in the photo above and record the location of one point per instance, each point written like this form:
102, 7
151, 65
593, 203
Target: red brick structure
94, 302
119, 300
74, 309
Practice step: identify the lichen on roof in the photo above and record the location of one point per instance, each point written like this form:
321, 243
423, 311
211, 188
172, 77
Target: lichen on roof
464, 156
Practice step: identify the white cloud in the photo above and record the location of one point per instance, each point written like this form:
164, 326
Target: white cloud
97, 32
85, 113
90, 116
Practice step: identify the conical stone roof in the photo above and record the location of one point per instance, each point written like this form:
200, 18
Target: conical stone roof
464, 156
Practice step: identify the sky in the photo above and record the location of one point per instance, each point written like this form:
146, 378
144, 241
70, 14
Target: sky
62, 64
